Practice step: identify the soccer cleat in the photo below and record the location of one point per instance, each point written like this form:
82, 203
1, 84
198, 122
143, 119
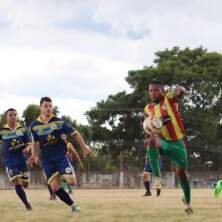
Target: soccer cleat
218, 189
189, 210
148, 193
28, 207
158, 191
53, 197
70, 192
75, 209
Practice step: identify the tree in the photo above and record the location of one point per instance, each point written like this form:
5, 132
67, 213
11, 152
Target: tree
116, 126
32, 111
2, 119
117, 118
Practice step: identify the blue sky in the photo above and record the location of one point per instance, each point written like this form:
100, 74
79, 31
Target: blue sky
78, 52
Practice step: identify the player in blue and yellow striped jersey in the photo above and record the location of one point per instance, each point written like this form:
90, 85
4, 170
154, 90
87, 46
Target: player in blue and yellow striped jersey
48, 132
15, 140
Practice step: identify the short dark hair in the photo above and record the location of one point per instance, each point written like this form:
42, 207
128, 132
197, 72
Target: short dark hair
156, 82
45, 99
10, 109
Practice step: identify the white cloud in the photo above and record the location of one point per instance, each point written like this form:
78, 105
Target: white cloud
59, 73
82, 50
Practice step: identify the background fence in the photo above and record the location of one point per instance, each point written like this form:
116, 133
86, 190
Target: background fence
120, 180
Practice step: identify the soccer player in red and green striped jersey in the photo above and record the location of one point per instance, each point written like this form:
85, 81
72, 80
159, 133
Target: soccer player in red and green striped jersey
165, 106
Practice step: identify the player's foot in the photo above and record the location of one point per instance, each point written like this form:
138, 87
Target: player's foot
218, 189
70, 192
189, 210
75, 208
53, 197
158, 191
28, 207
148, 193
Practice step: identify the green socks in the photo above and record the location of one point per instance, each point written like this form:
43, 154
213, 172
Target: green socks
185, 185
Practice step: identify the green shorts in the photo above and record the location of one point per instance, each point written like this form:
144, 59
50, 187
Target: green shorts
176, 151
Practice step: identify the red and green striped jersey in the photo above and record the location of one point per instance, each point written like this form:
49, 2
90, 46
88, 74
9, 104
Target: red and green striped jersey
167, 110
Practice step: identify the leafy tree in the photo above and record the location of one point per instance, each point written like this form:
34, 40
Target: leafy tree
32, 111
115, 121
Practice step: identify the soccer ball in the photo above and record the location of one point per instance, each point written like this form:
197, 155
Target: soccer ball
152, 125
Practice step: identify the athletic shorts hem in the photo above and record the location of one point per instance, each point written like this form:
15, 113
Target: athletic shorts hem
53, 176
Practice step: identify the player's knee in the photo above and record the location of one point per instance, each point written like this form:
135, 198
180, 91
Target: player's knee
16, 181
55, 186
181, 174
71, 180
146, 176
72, 183
25, 184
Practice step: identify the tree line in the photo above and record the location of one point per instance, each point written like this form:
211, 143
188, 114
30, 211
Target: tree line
114, 127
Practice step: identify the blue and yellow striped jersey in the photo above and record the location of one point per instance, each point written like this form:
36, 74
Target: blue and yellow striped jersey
50, 137
13, 143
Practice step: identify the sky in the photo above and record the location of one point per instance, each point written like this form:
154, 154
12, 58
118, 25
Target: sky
80, 51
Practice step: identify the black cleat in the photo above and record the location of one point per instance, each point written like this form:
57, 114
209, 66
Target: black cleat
158, 191
53, 197
28, 207
148, 193
189, 210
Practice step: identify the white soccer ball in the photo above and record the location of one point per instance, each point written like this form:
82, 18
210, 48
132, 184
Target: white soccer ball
152, 125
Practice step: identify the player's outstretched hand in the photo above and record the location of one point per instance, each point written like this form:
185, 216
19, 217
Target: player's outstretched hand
87, 151
33, 160
82, 168
37, 160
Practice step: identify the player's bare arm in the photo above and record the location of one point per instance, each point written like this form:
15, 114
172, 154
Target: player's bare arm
27, 148
34, 153
76, 156
86, 150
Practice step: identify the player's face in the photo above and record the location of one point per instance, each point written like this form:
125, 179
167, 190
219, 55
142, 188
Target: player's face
11, 117
46, 108
155, 92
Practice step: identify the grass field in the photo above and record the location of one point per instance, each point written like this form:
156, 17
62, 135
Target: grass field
111, 205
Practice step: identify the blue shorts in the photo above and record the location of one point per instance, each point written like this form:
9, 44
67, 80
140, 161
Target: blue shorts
62, 167
148, 168
20, 171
